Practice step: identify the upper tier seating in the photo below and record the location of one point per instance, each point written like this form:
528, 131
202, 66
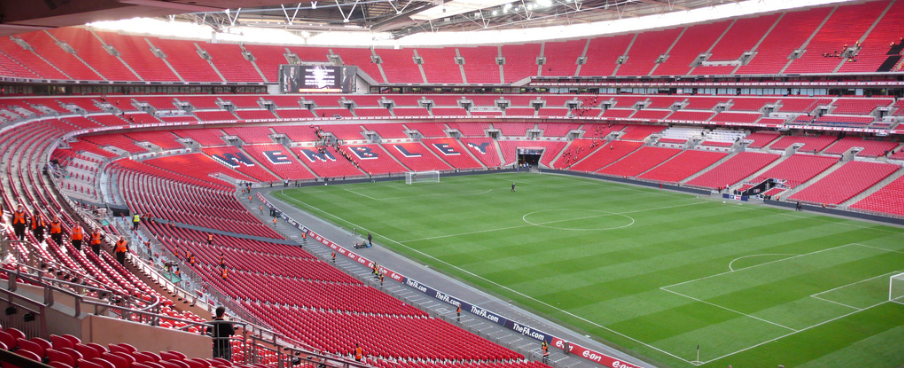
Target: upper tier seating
845, 183
230, 62
733, 170
889, 199
797, 169
399, 66
480, 64
602, 54
642, 59
268, 59
184, 58
520, 61
70, 64
91, 50
558, 129
683, 165
136, 52
743, 35
562, 58
688, 47
439, 65
845, 27
162, 139
206, 137
875, 46
788, 35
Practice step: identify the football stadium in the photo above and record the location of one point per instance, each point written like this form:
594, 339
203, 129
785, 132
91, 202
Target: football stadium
451, 183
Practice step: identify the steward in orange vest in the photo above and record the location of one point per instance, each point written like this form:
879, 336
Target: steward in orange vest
122, 247
76, 237
56, 230
95, 241
19, 222
38, 226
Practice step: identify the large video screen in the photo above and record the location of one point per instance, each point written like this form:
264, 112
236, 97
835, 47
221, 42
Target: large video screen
316, 78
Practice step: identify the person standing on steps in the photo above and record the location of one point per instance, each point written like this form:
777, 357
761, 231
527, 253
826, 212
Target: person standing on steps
221, 331
56, 230
38, 226
359, 353
209, 239
370, 240
95, 241
19, 221
135, 222
545, 347
121, 249
76, 236
458, 312
334, 256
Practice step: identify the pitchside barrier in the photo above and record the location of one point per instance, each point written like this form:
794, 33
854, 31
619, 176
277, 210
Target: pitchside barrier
521, 328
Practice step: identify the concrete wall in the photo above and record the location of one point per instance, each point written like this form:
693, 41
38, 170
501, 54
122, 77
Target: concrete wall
104, 330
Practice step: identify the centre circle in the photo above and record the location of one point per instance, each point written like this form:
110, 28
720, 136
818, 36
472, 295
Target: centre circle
578, 219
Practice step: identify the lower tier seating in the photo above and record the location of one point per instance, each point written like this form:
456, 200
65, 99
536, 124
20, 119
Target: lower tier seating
845, 183
733, 170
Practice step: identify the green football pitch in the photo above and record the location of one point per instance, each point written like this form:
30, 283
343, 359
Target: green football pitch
649, 271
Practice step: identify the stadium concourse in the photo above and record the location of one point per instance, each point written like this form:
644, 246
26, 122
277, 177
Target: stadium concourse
182, 139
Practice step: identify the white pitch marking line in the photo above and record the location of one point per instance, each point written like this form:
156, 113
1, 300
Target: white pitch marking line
544, 223
758, 265
756, 255
814, 296
796, 332
728, 309
363, 195
879, 248
504, 287
857, 282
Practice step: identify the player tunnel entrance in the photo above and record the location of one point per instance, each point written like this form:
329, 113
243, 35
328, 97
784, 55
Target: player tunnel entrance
530, 156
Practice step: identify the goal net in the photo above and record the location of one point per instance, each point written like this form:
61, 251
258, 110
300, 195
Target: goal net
896, 289
412, 177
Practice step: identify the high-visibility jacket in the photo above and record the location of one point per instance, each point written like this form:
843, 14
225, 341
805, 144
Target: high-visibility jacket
95, 238
359, 353
19, 218
56, 227
210, 237
224, 273
191, 259
137, 218
38, 222
122, 246
77, 233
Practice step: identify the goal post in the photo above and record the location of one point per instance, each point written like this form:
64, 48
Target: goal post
412, 177
896, 288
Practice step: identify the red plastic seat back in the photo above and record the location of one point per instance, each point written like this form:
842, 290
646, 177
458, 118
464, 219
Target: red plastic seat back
166, 355
54, 355
82, 363
25, 345
16, 333
87, 352
103, 363
72, 353
118, 361
8, 340
60, 342
59, 365
74, 340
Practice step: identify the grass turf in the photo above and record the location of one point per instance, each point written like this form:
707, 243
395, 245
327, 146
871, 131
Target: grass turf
651, 271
